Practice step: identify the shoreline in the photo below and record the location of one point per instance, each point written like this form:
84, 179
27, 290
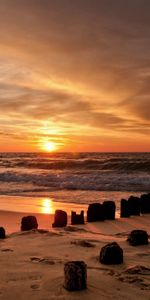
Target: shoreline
65, 200
45, 210
37, 205
11, 221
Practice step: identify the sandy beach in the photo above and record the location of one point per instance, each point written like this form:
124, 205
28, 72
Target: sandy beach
74, 150
32, 263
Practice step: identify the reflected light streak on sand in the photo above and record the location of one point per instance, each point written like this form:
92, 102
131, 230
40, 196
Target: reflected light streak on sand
47, 206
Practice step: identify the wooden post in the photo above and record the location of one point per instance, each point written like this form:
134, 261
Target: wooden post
75, 273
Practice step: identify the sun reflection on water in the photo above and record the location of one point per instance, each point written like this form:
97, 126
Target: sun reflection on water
47, 206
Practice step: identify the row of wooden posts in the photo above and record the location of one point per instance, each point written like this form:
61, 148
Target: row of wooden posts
96, 212
134, 206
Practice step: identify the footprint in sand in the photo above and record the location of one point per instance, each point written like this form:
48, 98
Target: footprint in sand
83, 243
121, 234
139, 282
42, 260
74, 229
138, 275
138, 270
7, 250
47, 260
35, 287
108, 271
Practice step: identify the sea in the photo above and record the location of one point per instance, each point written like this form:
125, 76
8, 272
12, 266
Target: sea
39, 182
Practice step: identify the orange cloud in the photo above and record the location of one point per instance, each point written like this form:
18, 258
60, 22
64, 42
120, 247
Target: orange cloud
81, 67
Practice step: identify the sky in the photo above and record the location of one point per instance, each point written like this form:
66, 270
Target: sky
74, 75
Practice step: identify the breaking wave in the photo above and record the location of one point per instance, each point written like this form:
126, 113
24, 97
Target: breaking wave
83, 171
116, 162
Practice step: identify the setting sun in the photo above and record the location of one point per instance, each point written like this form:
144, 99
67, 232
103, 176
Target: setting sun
49, 146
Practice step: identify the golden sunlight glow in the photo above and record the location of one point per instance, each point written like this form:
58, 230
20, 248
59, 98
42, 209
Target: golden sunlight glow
49, 146
47, 206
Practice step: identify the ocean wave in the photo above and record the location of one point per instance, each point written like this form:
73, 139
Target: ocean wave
97, 181
82, 171
114, 164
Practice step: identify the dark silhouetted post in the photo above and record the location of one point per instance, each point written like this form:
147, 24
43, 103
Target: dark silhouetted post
75, 273
2, 233
134, 206
145, 204
95, 212
60, 218
111, 254
109, 210
138, 237
124, 209
28, 223
77, 218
